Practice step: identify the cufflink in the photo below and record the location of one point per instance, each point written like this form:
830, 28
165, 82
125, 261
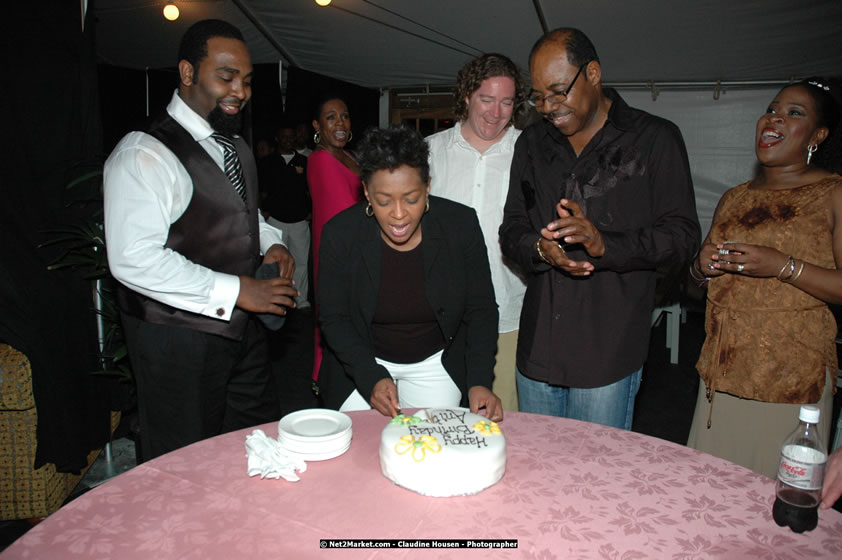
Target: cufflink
220, 312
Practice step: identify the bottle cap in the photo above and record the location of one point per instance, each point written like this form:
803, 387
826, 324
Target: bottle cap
810, 413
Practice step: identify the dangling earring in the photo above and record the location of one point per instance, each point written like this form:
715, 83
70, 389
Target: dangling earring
316, 138
369, 211
427, 209
811, 149
350, 135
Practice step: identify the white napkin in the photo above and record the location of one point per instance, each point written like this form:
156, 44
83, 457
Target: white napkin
267, 458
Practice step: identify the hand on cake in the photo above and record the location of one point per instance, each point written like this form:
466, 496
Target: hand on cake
482, 397
384, 398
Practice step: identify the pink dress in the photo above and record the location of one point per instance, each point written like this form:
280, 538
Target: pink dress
333, 188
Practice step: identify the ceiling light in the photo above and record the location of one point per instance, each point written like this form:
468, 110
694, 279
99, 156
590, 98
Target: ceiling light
322, 2
171, 11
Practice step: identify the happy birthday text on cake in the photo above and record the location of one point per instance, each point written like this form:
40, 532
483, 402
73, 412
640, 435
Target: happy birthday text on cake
460, 434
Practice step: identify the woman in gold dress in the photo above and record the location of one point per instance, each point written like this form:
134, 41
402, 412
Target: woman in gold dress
771, 264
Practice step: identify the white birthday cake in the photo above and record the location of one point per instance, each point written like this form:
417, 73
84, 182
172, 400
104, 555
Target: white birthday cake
443, 452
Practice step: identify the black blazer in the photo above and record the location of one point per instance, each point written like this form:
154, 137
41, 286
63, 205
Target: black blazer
457, 282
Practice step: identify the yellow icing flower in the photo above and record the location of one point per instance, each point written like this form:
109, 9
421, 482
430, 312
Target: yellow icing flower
405, 420
418, 446
487, 428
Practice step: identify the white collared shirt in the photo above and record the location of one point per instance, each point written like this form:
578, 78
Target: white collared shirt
146, 189
460, 172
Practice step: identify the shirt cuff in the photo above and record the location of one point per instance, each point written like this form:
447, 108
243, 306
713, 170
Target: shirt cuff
269, 235
612, 257
223, 296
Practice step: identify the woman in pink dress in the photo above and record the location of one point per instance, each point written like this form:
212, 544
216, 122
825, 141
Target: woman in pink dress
333, 176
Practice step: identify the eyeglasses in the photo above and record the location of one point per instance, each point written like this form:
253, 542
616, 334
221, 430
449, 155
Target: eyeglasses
537, 100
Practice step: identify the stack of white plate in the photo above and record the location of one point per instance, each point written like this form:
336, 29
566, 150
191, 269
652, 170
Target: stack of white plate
315, 434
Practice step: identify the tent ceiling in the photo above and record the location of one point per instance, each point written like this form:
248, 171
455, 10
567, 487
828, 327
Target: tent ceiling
379, 43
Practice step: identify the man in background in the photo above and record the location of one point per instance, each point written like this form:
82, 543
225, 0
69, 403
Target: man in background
286, 203
470, 163
303, 136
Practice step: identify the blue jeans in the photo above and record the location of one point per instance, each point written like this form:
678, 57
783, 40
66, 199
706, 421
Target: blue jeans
611, 405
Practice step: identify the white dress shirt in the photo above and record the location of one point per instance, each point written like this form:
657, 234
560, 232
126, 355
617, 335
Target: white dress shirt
460, 172
146, 189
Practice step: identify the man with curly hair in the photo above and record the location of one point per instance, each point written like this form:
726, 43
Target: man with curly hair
469, 163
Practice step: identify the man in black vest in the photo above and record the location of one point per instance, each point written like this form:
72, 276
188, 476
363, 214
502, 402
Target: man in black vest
184, 239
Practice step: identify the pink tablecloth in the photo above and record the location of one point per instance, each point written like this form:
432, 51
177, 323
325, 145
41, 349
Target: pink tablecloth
571, 490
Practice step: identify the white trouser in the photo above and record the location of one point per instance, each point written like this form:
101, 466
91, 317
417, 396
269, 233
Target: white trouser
423, 384
297, 240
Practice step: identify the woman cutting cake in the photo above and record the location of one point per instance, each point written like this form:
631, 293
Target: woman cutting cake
406, 303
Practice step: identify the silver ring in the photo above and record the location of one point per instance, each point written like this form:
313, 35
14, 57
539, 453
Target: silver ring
711, 267
740, 267
724, 252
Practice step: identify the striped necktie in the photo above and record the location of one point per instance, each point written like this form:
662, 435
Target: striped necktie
233, 168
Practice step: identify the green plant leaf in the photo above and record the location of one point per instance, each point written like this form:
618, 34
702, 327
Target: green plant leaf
83, 245
84, 178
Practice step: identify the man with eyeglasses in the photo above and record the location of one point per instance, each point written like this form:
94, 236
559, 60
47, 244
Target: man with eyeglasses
600, 195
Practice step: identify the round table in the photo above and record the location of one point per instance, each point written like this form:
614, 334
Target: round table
571, 490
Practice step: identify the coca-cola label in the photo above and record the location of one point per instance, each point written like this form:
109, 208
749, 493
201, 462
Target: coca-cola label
802, 467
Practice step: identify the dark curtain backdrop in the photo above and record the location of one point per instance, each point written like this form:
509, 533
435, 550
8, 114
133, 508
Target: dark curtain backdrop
52, 134
303, 91
123, 99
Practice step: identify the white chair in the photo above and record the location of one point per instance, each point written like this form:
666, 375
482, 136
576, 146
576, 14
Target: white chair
674, 316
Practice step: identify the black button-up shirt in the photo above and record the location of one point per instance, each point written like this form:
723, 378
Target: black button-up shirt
633, 183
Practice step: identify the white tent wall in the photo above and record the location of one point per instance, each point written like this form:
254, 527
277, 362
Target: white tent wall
719, 135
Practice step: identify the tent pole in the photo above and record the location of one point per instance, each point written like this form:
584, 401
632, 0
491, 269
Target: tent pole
265, 32
699, 85
146, 75
539, 11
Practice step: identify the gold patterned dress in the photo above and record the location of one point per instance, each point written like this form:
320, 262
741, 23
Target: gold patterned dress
767, 343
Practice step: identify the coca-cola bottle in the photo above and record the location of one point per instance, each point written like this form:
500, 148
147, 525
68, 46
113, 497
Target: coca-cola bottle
800, 474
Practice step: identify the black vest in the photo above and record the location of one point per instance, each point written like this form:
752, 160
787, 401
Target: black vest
217, 230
